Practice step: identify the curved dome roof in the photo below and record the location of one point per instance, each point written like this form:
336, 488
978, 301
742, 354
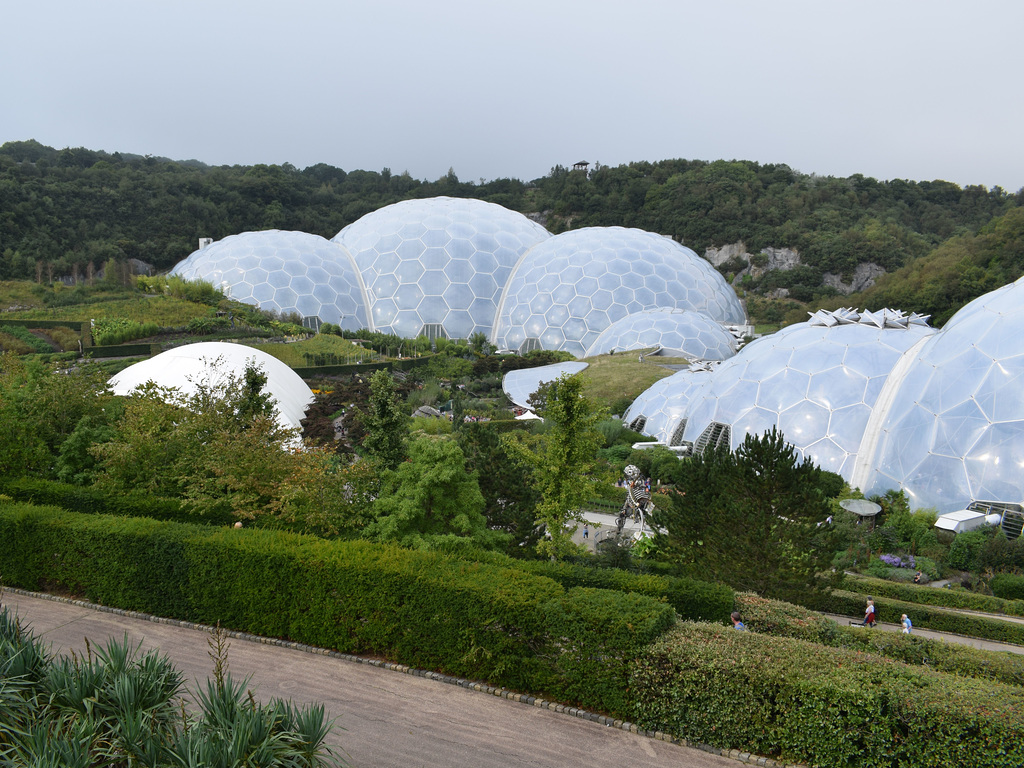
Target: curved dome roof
571, 287
441, 261
678, 332
954, 432
182, 366
284, 272
817, 382
660, 411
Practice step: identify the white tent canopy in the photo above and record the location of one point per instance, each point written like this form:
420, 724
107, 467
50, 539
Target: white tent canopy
182, 367
519, 385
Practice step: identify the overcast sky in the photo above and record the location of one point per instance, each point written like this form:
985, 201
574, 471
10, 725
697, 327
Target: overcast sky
909, 89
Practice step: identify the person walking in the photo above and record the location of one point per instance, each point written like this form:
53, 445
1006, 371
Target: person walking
907, 626
869, 615
737, 622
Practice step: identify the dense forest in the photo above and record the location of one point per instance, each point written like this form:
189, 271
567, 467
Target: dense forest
62, 210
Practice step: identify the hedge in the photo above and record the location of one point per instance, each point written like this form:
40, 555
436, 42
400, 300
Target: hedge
948, 598
1010, 587
780, 619
821, 706
692, 600
924, 617
425, 609
90, 500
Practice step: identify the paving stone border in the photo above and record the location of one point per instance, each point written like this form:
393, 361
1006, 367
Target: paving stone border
472, 685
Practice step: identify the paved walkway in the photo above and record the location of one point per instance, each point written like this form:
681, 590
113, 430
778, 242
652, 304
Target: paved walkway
385, 719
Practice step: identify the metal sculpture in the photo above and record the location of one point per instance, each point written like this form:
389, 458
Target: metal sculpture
637, 505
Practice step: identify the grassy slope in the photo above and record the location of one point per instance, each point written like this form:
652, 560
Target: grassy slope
610, 377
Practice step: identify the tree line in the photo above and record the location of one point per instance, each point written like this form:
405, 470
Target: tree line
69, 208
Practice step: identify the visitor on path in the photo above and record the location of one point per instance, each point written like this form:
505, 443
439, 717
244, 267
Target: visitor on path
869, 615
907, 626
737, 623
586, 532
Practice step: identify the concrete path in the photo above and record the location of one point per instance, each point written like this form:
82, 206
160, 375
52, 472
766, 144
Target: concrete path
384, 718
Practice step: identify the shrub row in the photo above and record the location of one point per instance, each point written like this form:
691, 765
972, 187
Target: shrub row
93, 501
1010, 587
26, 337
822, 706
692, 600
947, 598
852, 604
779, 619
426, 609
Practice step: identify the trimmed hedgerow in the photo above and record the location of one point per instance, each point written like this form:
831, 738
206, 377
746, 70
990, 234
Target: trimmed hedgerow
822, 706
1011, 604
1010, 587
693, 600
774, 617
426, 609
925, 617
90, 500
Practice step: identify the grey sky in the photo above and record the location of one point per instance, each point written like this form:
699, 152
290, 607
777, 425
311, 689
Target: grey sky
920, 90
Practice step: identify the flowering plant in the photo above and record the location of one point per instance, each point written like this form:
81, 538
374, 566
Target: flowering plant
896, 561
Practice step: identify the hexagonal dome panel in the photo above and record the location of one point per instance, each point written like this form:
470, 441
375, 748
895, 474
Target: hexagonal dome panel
598, 264
954, 432
806, 380
284, 272
440, 245
676, 332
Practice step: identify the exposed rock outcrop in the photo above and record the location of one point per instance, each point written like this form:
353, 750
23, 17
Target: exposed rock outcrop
864, 277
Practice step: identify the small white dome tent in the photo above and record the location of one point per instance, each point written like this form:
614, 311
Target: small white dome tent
181, 367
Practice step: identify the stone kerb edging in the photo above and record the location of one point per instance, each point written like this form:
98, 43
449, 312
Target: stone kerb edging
504, 693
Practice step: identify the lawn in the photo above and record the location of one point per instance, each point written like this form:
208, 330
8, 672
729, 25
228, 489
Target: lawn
611, 377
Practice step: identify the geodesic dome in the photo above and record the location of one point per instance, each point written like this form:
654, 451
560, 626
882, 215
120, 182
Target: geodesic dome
816, 381
180, 368
660, 410
572, 286
284, 272
676, 332
954, 429
437, 266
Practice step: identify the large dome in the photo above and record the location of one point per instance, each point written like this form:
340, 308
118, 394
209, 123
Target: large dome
283, 272
182, 368
660, 411
954, 431
816, 381
438, 264
676, 332
571, 287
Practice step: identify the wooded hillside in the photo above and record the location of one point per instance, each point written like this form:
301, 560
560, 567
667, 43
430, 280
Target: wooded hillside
61, 210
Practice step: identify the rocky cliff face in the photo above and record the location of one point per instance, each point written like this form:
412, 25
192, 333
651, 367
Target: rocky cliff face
737, 260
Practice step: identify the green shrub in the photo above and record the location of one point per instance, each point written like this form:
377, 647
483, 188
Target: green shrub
790, 698
888, 610
773, 617
948, 598
965, 551
1007, 586
468, 619
117, 330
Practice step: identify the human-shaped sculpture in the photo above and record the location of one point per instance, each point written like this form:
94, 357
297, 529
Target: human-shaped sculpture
638, 498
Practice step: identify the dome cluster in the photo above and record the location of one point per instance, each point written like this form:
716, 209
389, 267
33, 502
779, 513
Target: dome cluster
283, 272
455, 267
880, 398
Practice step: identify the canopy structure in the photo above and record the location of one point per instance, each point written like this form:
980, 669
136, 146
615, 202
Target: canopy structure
184, 367
519, 385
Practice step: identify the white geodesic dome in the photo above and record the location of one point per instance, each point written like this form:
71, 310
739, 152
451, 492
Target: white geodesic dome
284, 272
572, 286
182, 367
660, 410
953, 432
817, 382
437, 266
675, 332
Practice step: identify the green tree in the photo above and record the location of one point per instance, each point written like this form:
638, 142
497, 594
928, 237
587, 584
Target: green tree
431, 500
385, 422
754, 519
506, 482
563, 464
